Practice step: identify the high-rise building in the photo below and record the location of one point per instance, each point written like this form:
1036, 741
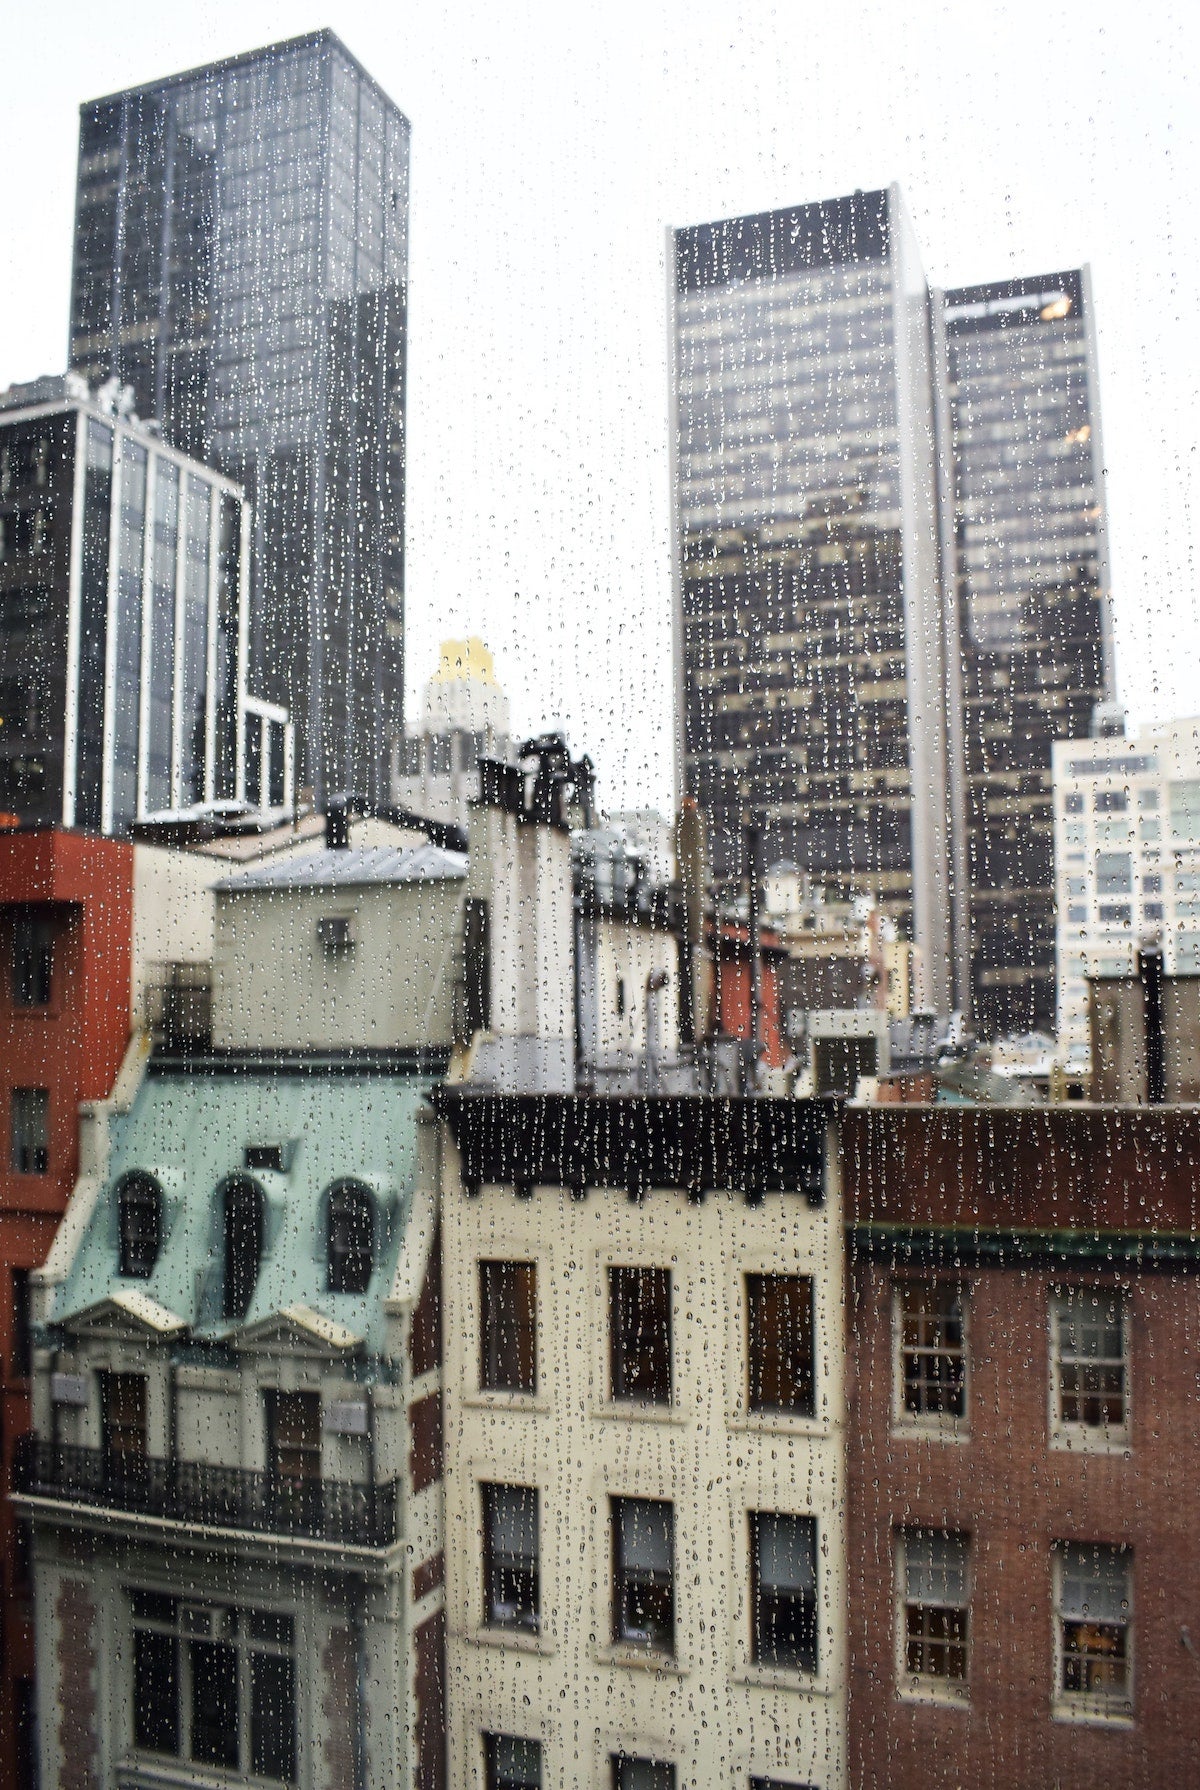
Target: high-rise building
1025, 554
810, 645
124, 622
240, 261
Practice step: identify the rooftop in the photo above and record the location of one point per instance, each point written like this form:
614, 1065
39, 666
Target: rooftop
353, 868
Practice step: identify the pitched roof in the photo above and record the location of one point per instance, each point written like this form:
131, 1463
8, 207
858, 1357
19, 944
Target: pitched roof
352, 868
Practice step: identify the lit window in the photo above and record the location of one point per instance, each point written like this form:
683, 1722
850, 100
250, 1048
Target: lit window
1089, 1362
30, 1141
779, 1343
139, 1215
640, 1333
214, 1685
508, 1326
629, 1773
512, 1764
783, 1577
243, 1220
935, 1615
644, 1573
932, 1354
510, 1557
1094, 1600
351, 1238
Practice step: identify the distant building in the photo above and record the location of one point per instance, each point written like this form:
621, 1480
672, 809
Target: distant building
126, 681
810, 655
1025, 545
464, 717
1127, 862
241, 255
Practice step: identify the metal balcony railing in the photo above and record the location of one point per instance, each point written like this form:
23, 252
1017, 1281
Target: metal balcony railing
221, 1497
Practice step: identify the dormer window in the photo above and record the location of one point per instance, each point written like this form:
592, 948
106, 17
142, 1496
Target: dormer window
243, 1221
351, 1238
139, 1212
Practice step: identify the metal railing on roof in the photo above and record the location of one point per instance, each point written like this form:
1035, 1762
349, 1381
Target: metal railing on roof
197, 1492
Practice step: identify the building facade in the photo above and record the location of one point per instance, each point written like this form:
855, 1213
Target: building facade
435, 770
1022, 1304
1025, 548
810, 651
124, 644
241, 251
1126, 863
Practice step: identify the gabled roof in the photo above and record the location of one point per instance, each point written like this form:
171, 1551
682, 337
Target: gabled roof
352, 868
130, 1310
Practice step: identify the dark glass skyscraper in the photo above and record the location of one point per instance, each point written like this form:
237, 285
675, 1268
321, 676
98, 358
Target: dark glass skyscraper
809, 634
241, 261
1026, 552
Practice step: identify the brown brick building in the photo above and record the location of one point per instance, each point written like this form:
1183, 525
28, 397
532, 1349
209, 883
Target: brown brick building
1024, 1447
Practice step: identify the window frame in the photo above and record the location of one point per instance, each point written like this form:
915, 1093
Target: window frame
626, 1580
620, 1275
619, 1760
526, 1618
524, 1272
929, 1687
1075, 1433
39, 923
761, 1661
1086, 1705
757, 1407
940, 1425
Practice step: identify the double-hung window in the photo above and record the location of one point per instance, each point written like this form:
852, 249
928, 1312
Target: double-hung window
931, 1355
639, 1302
512, 1592
783, 1589
935, 1612
644, 1573
1089, 1349
1094, 1602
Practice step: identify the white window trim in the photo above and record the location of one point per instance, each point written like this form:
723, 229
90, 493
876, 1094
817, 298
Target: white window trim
1086, 1438
931, 1425
1090, 1706
918, 1687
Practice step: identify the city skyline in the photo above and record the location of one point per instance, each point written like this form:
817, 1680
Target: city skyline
538, 498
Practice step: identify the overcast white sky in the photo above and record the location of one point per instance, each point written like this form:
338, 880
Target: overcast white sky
552, 144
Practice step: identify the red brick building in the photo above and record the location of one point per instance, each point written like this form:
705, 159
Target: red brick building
1024, 1447
66, 938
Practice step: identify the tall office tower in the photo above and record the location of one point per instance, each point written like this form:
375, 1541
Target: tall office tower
1025, 552
240, 261
810, 648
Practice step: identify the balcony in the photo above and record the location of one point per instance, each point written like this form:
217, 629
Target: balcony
195, 1493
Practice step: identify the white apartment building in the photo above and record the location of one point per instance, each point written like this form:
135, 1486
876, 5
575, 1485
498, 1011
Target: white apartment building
645, 1485
1127, 862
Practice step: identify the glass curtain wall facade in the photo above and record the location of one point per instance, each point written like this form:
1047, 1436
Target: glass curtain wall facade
122, 603
241, 263
810, 650
1026, 554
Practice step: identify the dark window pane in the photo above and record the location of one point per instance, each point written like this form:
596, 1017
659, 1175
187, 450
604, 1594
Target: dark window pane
29, 1152
644, 1573
214, 1667
783, 1568
32, 960
272, 1715
779, 1342
21, 1355
640, 1330
140, 1218
510, 1549
508, 1329
512, 1764
243, 1246
155, 1691
351, 1239
641, 1774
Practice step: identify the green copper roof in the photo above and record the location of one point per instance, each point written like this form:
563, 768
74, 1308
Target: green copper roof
191, 1132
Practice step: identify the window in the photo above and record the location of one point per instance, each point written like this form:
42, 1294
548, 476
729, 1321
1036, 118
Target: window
639, 1305
1073, 803
1094, 1600
511, 1588
123, 1426
1111, 801
351, 1238
243, 1219
30, 1145
644, 1573
22, 1353
512, 1764
783, 1590
294, 1454
779, 1343
757, 1783
641, 1774
508, 1327
139, 1214
214, 1685
934, 1616
1114, 873
32, 959
1089, 1365
932, 1353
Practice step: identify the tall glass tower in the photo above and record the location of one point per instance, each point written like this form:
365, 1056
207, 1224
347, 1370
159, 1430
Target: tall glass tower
809, 638
1025, 548
241, 246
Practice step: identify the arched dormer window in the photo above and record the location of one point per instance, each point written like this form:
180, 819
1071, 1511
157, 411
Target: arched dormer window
243, 1222
140, 1223
350, 1237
